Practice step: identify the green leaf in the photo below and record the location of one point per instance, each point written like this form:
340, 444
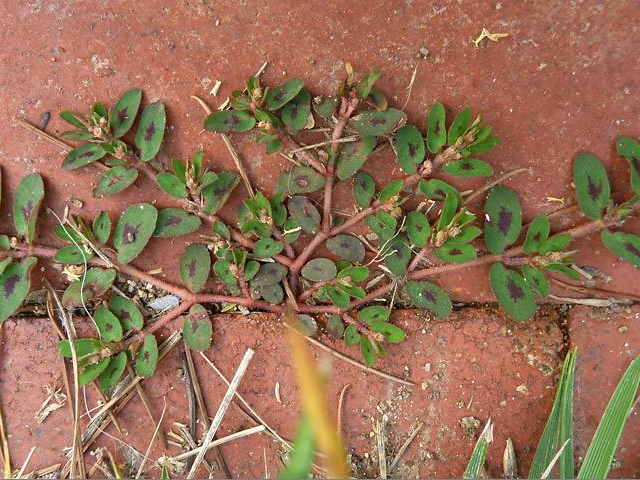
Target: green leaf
392, 334
549, 443
73, 255
124, 113
197, 330
346, 247
217, 193
476, 461
503, 216
630, 150
283, 93
513, 293
599, 456
377, 123
466, 235
374, 313
351, 335
410, 148
222, 269
429, 296
269, 274
127, 312
536, 279
366, 84
72, 119
195, 264
83, 155
221, 229
335, 326
295, 113
392, 189
113, 372
592, 185
325, 106
368, 351
364, 188
272, 294
14, 286
101, 227
623, 245
78, 135
436, 128
305, 213
108, 325
397, 255
250, 269
171, 185
484, 145
319, 270
377, 99
438, 190
301, 456
84, 347
356, 274
564, 269
133, 231
229, 121
173, 222
93, 371
4, 264
453, 253
115, 180
557, 243
448, 212
300, 180
267, 247
459, 125
95, 283
151, 131
418, 228
147, 356
537, 234
353, 156
468, 168
26, 205
383, 225
5, 242
338, 297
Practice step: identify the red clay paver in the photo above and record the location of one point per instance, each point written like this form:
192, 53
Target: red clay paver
606, 342
458, 365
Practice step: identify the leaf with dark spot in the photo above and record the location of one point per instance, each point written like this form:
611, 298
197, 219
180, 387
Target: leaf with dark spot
283, 93
269, 274
229, 121
452, 253
397, 255
197, 330
195, 264
93, 371
151, 131
418, 228
83, 155
430, 297
319, 270
459, 125
364, 188
267, 247
374, 313
366, 84
346, 247
503, 219
300, 180
377, 123
302, 210
133, 231
108, 325
436, 189
217, 193
96, 282
147, 356
623, 245
536, 279
129, 315
592, 185
353, 156
73, 255
26, 205
325, 106
101, 227
124, 113
537, 234
436, 128
629, 148
173, 222
295, 113
115, 180
14, 286
468, 168
410, 148
513, 293
113, 372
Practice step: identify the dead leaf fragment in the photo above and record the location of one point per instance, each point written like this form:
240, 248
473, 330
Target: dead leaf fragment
494, 37
55, 399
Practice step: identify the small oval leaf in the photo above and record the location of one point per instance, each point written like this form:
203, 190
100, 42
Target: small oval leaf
431, 297
397, 255
295, 113
319, 270
592, 185
410, 148
108, 325
468, 168
629, 148
217, 193
267, 247
346, 247
364, 188
623, 245
436, 128
537, 234
127, 312
353, 156
269, 274
96, 282
197, 330
229, 121
418, 229
195, 264
124, 113
133, 231
304, 213
453, 253
283, 93
83, 155
101, 227
72, 255
93, 371
151, 131
459, 125
113, 372
171, 185
377, 123
503, 219
14, 286
300, 180
115, 180
147, 357
513, 293
173, 222
26, 205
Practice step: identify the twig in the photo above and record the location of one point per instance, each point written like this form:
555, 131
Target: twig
350, 139
404, 446
217, 419
361, 366
5, 448
153, 438
144, 399
220, 441
478, 193
26, 462
340, 403
595, 291
380, 442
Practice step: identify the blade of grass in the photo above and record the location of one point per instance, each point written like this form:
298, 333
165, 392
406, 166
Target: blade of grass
566, 462
479, 452
597, 461
548, 444
301, 457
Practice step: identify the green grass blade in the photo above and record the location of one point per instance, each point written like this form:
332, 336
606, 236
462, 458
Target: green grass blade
301, 457
548, 444
566, 462
597, 461
479, 452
